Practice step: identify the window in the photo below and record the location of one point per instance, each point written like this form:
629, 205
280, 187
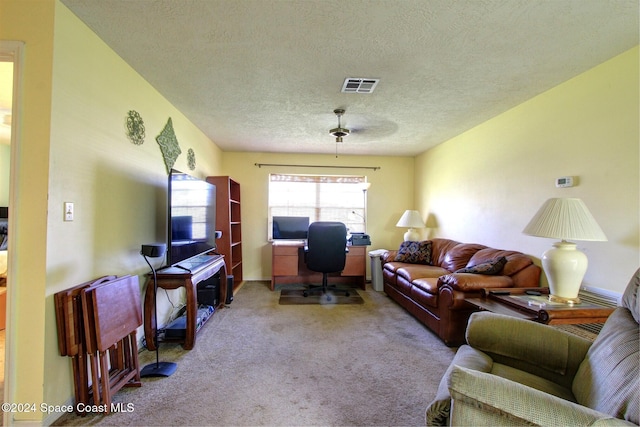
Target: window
319, 197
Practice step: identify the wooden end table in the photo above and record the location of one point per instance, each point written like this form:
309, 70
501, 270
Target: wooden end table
524, 304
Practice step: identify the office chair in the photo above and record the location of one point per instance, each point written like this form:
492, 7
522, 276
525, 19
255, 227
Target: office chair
326, 252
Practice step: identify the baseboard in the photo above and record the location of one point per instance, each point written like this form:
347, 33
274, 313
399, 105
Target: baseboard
51, 417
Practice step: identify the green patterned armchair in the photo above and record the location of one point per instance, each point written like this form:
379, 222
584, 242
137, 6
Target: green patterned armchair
518, 372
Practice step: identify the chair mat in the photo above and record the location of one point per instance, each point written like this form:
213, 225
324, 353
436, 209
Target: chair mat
295, 297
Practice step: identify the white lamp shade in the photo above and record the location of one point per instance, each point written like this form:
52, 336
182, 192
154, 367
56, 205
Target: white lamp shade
410, 219
566, 219
364, 185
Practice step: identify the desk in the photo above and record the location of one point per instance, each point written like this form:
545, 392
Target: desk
200, 268
538, 308
288, 266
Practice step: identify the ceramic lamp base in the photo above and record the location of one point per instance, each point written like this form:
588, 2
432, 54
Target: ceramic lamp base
411, 235
565, 267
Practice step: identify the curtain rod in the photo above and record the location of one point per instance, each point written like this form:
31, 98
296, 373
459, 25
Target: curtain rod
374, 168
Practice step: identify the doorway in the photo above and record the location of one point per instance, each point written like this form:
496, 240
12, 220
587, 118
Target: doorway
6, 103
10, 61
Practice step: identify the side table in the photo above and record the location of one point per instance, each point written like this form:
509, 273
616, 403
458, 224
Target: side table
517, 302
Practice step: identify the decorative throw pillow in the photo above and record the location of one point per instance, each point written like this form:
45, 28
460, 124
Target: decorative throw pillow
415, 252
494, 266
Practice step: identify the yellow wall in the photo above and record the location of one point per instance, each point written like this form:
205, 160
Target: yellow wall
76, 98
486, 184
391, 192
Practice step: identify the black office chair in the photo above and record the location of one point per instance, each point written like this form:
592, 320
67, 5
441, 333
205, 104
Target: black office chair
326, 252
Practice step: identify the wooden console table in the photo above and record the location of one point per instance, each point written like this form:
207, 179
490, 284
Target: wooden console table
516, 302
188, 275
288, 266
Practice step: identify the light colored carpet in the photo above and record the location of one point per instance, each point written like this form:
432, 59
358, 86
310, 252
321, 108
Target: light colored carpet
261, 363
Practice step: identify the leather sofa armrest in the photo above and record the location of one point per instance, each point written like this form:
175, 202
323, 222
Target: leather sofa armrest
389, 256
472, 282
509, 402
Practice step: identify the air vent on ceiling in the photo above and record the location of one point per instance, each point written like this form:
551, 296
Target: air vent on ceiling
359, 85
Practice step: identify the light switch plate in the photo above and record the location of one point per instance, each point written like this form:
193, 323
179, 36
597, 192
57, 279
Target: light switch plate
68, 211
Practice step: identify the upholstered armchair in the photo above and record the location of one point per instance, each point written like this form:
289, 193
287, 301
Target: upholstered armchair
518, 372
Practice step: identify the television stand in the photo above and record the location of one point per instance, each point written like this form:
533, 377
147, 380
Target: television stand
188, 275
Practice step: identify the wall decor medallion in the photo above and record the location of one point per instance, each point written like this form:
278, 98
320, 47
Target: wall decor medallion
135, 127
191, 159
168, 145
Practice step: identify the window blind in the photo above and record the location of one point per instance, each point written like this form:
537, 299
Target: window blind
320, 197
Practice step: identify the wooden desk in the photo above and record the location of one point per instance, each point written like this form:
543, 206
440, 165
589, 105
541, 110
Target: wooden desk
288, 266
538, 308
199, 268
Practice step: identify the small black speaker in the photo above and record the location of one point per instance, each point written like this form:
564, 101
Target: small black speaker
229, 297
209, 295
209, 291
153, 250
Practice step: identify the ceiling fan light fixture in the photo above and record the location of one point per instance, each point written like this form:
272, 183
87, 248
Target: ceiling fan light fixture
339, 132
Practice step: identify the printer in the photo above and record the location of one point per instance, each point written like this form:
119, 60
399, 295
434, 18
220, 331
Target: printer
359, 239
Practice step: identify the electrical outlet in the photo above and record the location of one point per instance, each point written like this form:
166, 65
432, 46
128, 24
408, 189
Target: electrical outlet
68, 211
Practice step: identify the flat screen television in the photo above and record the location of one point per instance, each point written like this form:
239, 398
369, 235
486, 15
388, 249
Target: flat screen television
191, 217
290, 227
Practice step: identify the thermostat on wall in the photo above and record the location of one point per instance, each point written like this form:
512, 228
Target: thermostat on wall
564, 181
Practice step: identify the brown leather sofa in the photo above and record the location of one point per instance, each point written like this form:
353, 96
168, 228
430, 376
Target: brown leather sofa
433, 292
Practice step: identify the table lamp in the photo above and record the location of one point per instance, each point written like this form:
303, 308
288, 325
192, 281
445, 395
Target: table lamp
411, 220
158, 369
564, 265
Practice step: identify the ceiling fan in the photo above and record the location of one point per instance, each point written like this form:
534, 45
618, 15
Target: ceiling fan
339, 132
362, 126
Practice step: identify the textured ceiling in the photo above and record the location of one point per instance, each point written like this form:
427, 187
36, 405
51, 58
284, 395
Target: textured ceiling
265, 75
